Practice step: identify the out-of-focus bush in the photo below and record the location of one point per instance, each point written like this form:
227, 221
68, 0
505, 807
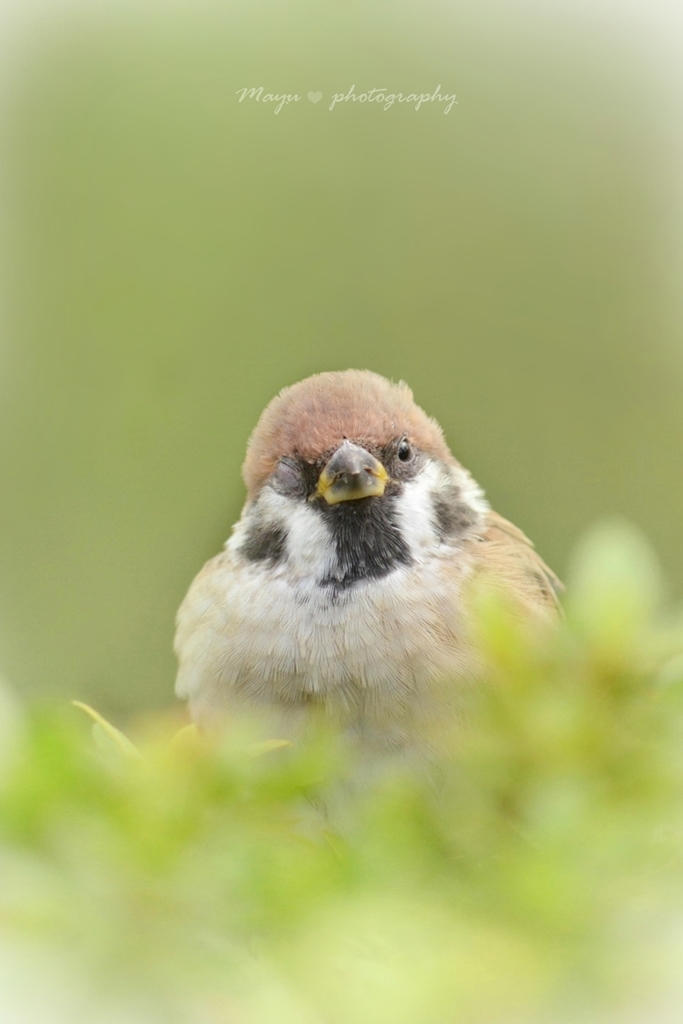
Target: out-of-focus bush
538, 878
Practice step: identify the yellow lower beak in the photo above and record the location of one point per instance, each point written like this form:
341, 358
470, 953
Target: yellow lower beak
351, 473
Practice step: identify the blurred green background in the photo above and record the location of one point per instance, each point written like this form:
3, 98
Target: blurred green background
173, 258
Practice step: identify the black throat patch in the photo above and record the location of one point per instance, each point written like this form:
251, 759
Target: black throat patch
368, 540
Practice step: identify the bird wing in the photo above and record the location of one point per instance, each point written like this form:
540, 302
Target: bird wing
506, 556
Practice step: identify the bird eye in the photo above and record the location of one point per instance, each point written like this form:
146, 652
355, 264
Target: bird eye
286, 478
404, 451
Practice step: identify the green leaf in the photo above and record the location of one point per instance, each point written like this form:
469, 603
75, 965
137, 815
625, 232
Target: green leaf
105, 732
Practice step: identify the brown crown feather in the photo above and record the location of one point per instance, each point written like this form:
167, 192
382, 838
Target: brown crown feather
314, 416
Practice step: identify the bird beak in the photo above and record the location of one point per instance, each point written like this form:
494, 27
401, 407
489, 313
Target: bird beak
351, 473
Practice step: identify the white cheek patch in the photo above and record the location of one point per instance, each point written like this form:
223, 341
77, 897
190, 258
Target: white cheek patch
416, 506
471, 493
310, 547
415, 516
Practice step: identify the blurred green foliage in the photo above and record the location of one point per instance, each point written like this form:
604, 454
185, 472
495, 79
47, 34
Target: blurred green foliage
537, 876
176, 257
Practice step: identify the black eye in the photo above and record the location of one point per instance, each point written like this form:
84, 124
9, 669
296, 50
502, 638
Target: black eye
404, 451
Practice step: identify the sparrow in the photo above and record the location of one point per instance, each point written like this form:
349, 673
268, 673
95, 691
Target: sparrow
345, 589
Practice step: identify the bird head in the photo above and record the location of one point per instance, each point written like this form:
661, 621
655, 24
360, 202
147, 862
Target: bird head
348, 480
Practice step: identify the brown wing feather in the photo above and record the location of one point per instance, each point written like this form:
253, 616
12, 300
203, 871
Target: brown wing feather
507, 555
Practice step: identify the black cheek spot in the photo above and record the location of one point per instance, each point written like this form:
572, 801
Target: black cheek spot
265, 544
452, 516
